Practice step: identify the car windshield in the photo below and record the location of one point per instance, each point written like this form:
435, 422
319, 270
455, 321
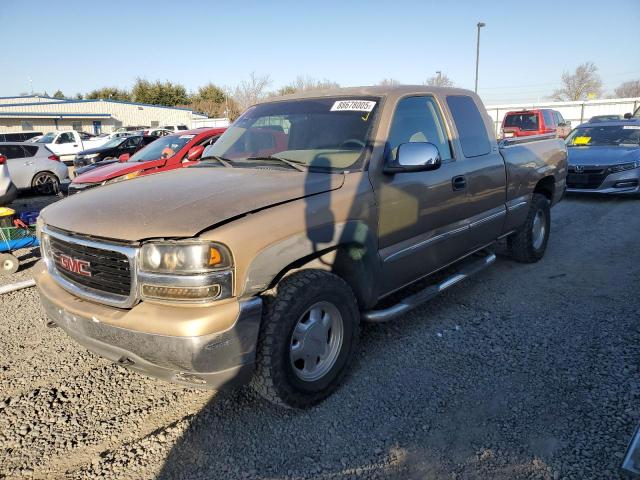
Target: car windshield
609, 135
326, 134
47, 138
524, 120
114, 142
165, 147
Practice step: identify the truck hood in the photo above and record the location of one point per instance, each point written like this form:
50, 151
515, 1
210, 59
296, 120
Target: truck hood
181, 203
602, 156
113, 170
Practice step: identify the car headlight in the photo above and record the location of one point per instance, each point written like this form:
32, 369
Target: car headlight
624, 166
121, 178
91, 155
185, 271
39, 227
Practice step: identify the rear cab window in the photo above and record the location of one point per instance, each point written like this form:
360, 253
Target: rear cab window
473, 134
523, 120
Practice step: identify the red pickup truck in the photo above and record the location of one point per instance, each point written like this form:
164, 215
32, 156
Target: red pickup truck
523, 123
167, 153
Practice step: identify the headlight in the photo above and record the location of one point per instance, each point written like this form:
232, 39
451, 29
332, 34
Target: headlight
91, 155
185, 271
39, 227
128, 176
624, 166
184, 257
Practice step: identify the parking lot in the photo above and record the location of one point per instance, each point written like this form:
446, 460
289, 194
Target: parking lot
525, 371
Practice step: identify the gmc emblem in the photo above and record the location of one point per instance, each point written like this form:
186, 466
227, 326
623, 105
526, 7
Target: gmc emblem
73, 265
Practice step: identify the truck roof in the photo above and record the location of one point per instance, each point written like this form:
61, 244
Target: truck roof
376, 91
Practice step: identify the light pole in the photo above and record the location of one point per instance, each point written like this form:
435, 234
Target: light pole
438, 76
480, 25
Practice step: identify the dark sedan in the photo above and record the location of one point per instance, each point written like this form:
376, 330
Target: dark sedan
604, 157
112, 150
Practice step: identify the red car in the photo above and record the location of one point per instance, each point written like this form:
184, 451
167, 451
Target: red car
523, 123
166, 153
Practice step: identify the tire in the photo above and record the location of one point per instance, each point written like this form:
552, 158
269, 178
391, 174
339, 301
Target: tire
46, 183
8, 263
529, 243
293, 332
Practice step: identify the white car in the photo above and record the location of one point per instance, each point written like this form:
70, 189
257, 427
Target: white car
8, 190
32, 165
100, 140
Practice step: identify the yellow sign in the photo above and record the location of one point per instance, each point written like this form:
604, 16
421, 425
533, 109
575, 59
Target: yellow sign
581, 140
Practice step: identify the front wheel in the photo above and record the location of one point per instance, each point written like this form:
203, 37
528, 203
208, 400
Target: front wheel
307, 339
529, 243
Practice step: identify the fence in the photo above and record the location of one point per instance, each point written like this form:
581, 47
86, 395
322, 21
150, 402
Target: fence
576, 112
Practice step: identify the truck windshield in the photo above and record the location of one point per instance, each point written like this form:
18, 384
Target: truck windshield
164, 147
523, 121
114, 142
46, 138
616, 135
327, 134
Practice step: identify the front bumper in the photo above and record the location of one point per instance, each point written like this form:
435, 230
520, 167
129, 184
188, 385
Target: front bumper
215, 359
625, 182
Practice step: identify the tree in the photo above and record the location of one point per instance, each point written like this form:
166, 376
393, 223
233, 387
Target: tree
210, 92
439, 80
628, 89
159, 93
389, 82
58, 94
305, 84
109, 93
583, 84
251, 91
79, 96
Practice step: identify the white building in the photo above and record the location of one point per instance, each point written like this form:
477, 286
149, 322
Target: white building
43, 114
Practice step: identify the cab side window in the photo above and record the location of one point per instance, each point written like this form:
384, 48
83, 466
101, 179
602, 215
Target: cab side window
474, 138
417, 119
65, 138
549, 120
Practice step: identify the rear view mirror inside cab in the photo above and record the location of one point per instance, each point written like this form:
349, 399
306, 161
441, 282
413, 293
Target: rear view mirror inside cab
415, 157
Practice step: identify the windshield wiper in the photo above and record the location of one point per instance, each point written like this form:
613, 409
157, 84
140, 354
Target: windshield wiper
300, 166
222, 160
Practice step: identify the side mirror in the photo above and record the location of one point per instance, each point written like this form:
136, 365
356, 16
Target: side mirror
124, 157
627, 116
415, 157
195, 153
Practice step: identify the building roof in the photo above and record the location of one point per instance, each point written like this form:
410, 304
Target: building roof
54, 115
67, 101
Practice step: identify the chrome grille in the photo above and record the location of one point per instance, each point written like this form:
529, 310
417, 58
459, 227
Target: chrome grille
108, 270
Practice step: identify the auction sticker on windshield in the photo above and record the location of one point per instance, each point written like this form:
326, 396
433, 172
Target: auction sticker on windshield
353, 106
187, 136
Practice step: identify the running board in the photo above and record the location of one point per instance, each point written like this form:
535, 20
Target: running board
412, 301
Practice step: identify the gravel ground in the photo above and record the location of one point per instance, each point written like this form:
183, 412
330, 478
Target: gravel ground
525, 371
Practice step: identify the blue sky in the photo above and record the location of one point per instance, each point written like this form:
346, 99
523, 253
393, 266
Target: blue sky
77, 46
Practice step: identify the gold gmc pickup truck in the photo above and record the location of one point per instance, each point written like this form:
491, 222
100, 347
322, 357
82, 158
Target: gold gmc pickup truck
311, 213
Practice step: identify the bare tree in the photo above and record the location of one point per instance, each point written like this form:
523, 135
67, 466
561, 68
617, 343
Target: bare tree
628, 89
584, 83
303, 84
439, 80
389, 82
251, 91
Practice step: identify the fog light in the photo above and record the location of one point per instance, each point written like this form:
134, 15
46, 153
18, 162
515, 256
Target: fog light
210, 292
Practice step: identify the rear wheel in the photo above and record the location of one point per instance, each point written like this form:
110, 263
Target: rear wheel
8, 263
528, 244
307, 339
46, 183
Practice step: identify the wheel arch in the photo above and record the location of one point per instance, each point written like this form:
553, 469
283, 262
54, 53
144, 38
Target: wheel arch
546, 187
351, 254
